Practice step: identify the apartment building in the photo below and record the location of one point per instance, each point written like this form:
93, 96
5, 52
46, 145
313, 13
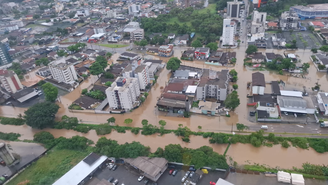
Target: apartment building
123, 93
233, 8
228, 34
137, 34
258, 22
289, 20
10, 81
63, 71
4, 55
213, 85
142, 74
134, 9
165, 51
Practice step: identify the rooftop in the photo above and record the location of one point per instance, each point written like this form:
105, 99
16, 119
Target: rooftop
258, 79
80, 171
171, 103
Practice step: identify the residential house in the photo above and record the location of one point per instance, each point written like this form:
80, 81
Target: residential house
188, 54
86, 102
202, 53
183, 40
171, 36
165, 51
129, 56
257, 58
272, 25
322, 59
221, 58
258, 83
271, 56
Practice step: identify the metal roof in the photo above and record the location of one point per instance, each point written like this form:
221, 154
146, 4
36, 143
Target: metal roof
79, 172
291, 93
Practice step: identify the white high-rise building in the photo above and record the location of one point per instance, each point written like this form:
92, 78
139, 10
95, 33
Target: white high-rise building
134, 9
258, 22
10, 81
123, 93
229, 30
233, 9
142, 74
62, 71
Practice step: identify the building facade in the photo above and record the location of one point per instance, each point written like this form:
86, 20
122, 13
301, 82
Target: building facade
313, 11
123, 93
229, 30
258, 22
289, 20
10, 81
137, 34
4, 55
142, 74
134, 9
63, 72
233, 9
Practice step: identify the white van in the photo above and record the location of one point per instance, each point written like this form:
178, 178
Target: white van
264, 127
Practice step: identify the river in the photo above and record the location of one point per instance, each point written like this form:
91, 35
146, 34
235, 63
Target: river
241, 153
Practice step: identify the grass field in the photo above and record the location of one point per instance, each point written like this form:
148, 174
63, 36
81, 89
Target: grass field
49, 168
211, 7
113, 45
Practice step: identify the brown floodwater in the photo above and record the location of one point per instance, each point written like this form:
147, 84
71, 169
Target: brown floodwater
216, 124
241, 153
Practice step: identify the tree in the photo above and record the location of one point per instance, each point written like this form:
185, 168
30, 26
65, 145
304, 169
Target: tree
321, 67
305, 66
196, 44
143, 43
213, 46
162, 123
36, 16
96, 69
71, 15
235, 86
108, 84
142, 99
314, 50
109, 75
41, 115
251, 49
232, 101
109, 54
233, 60
324, 48
128, 121
43, 61
146, 94
61, 53
144, 122
102, 61
241, 127
50, 91
173, 153
199, 127
233, 72
111, 120
173, 64
285, 144
84, 91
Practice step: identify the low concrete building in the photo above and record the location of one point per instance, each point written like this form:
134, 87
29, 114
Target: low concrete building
152, 168
165, 51
322, 99
258, 83
257, 58
296, 105
24, 94
129, 56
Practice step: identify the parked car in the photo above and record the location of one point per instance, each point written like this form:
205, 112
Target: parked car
171, 171
252, 113
140, 178
115, 181
110, 166
191, 168
264, 127
110, 179
146, 181
183, 179
187, 173
175, 172
8, 103
114, 167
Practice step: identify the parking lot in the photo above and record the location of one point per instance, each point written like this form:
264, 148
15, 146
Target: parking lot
305, 39
127, 177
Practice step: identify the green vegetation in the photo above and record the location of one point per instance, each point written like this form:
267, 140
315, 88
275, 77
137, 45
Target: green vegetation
111, 120
241, 127
76, 47
195, 104
251, 49
50, 91
113, 45
50, 167
11, 121
96, 94
41, 115
232, 101
98, 67
281, 64
43, 61
233, 73
128, 121
173, 64
9, 136
196, 44
75, 107
204, 22
213, 46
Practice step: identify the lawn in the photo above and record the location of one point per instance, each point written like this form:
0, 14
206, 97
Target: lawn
211, 7
113, 45
49, 168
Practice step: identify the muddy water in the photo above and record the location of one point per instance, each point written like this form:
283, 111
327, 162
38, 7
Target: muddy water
216, 124
241, 153
276, 156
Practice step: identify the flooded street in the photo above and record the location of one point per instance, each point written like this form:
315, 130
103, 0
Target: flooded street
215, 124
241, 153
